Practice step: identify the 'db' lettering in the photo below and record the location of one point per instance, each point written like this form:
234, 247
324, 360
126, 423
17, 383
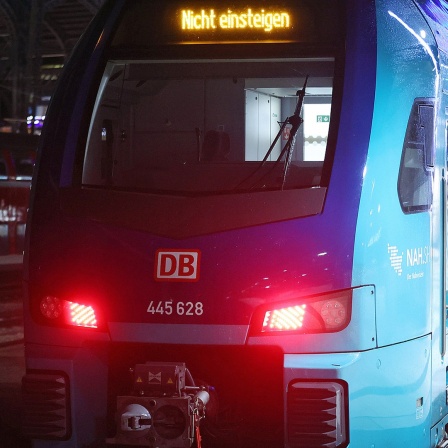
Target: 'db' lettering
168, 264
176, 265
186, 265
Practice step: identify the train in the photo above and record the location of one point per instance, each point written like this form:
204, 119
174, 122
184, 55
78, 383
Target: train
237, 229
17, 158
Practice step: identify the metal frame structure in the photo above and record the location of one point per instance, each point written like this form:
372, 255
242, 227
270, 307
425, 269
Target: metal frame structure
36, 37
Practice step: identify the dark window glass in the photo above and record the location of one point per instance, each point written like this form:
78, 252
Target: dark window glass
3, 170
209, 126
24, 168
417, 160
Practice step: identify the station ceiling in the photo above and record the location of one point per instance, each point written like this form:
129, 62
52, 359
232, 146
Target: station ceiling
36, 37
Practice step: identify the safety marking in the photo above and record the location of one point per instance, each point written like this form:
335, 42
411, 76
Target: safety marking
155, 377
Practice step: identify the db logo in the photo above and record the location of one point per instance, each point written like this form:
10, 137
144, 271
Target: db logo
177, 265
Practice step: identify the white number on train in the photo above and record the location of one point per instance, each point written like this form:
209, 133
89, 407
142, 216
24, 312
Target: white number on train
179, 308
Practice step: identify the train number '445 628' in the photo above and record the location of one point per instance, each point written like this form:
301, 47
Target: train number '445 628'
170, 307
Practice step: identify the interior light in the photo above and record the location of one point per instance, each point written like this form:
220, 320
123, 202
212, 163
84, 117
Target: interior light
60, 311
320, 314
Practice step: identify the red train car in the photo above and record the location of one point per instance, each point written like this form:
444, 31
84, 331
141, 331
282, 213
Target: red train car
17, 158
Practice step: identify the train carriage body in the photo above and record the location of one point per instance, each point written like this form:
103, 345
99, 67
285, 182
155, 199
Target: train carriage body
237, 232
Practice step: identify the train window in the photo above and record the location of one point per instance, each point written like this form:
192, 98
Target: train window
24, 169
3, 170
417, 160
202, 127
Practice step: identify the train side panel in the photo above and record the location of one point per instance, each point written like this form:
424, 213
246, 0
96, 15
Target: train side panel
400, 248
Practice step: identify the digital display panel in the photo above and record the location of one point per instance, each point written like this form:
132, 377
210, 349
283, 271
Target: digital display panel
147, 23
230, 20
231, 23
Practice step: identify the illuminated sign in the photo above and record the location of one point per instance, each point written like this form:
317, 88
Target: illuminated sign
316, 23
247, 19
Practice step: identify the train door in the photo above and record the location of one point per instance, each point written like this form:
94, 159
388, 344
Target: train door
445, 249
440, 240
444, 246
440, 430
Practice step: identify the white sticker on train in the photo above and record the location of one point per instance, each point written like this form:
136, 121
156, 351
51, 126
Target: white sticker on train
177, 265
411, 258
